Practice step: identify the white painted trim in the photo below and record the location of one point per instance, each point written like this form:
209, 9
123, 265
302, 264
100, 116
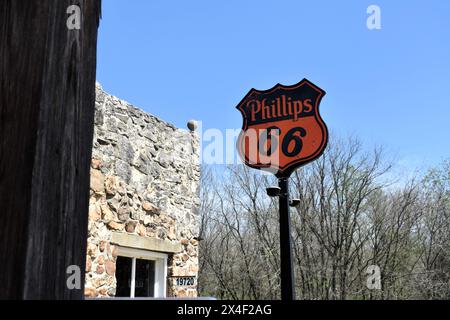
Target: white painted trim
160, 259
160, 277
133, 277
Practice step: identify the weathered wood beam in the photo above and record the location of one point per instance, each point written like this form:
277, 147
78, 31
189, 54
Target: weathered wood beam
47, 97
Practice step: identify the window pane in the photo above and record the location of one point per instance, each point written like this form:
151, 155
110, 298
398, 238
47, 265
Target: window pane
123, 276
145, 278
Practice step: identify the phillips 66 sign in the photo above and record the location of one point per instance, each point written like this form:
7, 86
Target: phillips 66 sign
282, 128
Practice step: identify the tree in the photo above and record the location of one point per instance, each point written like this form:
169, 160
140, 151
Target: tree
351, 217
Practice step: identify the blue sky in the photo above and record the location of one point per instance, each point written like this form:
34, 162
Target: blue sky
182, 60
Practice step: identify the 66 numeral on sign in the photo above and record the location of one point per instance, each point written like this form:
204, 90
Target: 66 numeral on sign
269, 141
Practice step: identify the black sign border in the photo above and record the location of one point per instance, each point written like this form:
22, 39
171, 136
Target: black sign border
285, 172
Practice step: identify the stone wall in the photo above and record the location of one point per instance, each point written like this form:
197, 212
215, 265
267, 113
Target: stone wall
144, 182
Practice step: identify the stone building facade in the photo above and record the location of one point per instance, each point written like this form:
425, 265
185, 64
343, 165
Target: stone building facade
143, 219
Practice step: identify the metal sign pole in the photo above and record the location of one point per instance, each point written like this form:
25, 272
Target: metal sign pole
299, 143
287, 270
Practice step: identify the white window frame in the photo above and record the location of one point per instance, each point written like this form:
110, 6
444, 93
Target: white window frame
160, 260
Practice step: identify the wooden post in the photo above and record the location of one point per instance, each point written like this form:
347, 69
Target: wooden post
47, 99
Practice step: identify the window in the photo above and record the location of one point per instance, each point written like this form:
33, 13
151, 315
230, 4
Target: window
140, 273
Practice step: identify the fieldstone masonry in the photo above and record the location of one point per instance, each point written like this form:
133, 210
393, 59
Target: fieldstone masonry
144, 182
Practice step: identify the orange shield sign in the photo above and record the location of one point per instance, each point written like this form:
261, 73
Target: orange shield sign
282, 129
